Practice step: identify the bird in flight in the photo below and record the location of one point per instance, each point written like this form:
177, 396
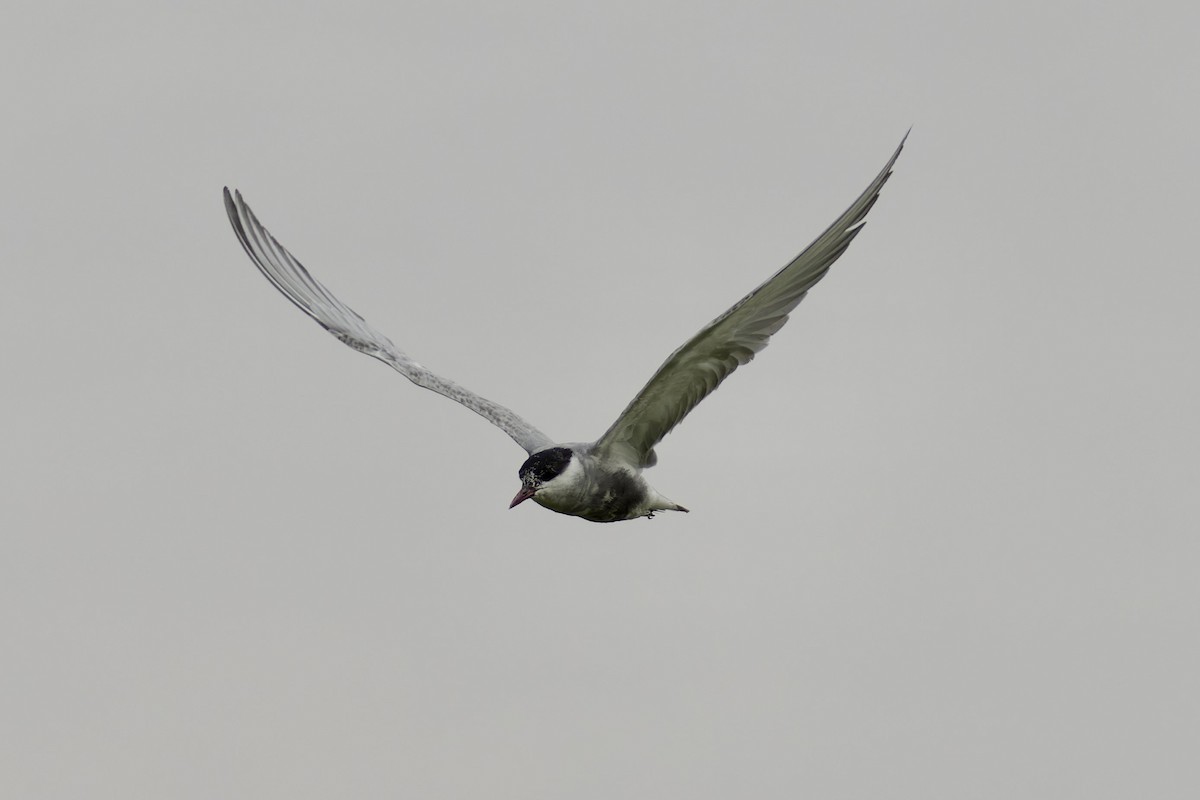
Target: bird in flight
602, 480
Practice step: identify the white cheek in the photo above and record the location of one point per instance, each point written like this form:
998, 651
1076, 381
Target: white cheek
567, 481
573, 474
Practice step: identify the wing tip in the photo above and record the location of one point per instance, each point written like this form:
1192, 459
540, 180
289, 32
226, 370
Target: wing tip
230, 208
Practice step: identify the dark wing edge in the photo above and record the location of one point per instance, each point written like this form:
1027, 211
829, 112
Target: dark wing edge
289, 276
697, 368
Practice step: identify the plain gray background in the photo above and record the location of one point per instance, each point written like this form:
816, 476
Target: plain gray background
943, 539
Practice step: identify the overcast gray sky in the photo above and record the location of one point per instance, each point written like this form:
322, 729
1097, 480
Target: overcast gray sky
943, 540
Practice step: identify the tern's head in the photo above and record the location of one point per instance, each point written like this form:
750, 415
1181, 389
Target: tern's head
540, 469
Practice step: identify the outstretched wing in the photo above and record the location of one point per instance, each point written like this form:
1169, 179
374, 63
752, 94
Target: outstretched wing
291, 278
696, 369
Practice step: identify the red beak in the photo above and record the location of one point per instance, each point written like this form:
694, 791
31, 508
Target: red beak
522, 496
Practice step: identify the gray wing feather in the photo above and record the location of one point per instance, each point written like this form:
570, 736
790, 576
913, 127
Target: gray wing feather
693, 371
291, 278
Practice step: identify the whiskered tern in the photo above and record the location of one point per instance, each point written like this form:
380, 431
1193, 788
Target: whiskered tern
602, 480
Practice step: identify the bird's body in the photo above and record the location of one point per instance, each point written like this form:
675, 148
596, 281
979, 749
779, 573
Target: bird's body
600, 481
590, 486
